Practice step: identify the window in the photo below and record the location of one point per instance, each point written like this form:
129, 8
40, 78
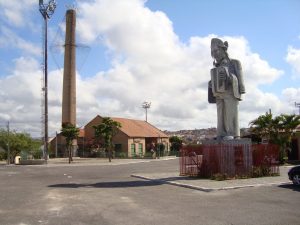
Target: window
140, 149
118, 147
133, 150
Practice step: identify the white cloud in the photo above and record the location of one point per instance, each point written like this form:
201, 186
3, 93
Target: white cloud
293, 58
11, 39
291, 95
20, 96
149, 63
16, 12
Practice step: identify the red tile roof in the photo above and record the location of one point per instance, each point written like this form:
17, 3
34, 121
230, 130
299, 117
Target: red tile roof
139, 128
81, 132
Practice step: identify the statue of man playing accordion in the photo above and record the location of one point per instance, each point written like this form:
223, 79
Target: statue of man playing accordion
225, 89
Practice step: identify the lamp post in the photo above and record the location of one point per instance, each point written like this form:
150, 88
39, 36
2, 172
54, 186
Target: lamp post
8, 147
297, 104
47, 10
146, 106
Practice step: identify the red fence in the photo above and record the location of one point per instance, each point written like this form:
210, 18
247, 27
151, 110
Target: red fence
230, 159
266, 156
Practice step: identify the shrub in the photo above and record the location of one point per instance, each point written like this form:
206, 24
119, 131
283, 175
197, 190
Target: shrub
121, 155
3, 156
148, 155
219, 176
261, 171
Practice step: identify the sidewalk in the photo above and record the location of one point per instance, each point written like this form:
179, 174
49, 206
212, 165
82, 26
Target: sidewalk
92, 161
60, 162
208, 185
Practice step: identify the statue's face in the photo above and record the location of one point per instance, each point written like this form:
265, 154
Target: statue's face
218, 54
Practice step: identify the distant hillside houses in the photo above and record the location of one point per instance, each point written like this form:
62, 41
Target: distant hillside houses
196, 136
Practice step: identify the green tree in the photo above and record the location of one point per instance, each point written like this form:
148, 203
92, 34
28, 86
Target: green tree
70, 132
35, 149
107, 129
176, 143
19, 142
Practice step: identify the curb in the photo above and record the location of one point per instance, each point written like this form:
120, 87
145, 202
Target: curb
92, 163
194, 187
174, 183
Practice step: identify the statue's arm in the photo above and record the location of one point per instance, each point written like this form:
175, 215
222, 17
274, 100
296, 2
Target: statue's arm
211, 98
239, 75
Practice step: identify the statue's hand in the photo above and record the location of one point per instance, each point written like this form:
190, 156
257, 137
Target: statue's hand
222, 73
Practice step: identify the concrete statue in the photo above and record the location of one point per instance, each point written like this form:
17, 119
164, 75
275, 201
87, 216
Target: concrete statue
225, 89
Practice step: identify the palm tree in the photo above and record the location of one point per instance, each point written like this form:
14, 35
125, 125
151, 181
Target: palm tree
107, 129
278, 130
263, 126
287, 126
71, 133
289, 122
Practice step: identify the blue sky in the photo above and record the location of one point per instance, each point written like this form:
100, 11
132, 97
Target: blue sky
150, 50
269, 26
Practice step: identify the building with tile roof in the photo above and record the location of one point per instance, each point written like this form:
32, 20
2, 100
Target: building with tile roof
135, 138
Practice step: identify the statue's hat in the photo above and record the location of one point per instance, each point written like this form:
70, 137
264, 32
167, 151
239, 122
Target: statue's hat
218, 43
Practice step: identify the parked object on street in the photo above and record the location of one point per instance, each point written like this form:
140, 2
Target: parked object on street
294, 175
17, 160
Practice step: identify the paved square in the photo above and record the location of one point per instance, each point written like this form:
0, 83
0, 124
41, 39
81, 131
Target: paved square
96, 192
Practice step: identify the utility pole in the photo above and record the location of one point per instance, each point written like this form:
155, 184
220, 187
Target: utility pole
8, 147
47, 11
297, 105
56, 144
146, 106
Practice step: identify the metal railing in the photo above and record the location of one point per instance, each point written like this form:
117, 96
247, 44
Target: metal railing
231, 160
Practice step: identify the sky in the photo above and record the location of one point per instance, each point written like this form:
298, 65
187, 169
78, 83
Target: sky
158, 51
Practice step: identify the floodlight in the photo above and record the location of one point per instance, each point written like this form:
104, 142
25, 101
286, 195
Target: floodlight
146, 106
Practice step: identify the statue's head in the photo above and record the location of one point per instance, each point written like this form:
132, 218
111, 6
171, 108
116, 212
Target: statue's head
218, 49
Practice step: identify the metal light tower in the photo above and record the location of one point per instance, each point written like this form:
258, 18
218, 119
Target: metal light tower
47, 10
146, 106
8, 144
297, 104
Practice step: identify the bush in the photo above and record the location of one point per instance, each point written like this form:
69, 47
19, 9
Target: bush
3, 156
219, 176
148, 155
121, 155
261, 171
174, 153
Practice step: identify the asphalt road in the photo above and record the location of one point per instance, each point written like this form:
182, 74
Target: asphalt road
107, 194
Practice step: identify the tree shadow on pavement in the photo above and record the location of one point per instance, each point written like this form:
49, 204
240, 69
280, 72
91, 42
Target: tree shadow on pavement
116, 184
290, 186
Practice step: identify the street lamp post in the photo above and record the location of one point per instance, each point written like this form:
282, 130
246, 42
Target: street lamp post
47, 11
297, 104
146, 106
8, 147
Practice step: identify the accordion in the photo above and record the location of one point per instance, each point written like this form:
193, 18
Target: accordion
218, 85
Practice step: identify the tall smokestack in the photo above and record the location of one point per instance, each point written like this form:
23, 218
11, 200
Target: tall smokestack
69, 80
